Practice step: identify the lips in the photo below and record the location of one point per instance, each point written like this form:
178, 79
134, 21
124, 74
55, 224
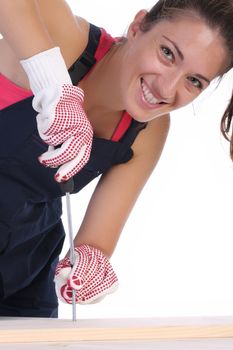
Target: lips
149, 97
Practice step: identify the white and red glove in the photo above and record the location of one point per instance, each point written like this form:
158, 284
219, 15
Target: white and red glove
61, 120
91, 276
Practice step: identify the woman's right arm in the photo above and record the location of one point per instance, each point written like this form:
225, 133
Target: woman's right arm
23, 26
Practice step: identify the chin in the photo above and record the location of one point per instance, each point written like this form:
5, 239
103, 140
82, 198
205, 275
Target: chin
139, 116
148, 118
139, 119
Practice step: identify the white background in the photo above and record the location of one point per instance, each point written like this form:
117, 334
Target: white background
174, 257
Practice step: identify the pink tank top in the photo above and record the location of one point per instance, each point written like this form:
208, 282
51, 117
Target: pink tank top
11, 93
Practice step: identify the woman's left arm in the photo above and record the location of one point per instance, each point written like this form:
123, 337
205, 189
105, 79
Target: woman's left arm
92, 275
118, 189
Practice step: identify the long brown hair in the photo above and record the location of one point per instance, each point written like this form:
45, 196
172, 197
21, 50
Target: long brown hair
218, 14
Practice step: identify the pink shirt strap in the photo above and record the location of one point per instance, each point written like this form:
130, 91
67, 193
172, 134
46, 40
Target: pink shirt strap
122, 127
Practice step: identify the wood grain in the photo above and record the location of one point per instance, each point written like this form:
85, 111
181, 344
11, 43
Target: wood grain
23, 330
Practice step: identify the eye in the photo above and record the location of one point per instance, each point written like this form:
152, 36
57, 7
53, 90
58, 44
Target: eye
167, 53
196, 82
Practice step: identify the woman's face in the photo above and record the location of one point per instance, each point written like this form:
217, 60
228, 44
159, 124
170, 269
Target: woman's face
169, 66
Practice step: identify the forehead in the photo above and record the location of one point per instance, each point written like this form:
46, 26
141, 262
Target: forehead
187, 28
195, 39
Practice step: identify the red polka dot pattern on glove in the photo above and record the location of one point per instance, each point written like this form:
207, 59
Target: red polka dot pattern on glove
68, 127
92, 276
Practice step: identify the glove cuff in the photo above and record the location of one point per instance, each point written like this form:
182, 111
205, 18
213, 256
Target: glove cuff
45, 69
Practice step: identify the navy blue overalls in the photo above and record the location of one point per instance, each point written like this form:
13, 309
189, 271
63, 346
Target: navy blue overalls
31, 231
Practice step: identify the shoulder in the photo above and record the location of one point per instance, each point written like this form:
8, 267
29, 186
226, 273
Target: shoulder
126, 180
147, 149
150, 141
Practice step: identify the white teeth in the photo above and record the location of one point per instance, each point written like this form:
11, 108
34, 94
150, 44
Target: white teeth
148, 95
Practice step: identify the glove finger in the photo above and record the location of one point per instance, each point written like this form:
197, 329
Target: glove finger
107, 285
59, 287
79, 270
62, 273
94, 300
59, 138
81, 273
95, 295
69, 150
53, 155
66, 294
84, 132
94, 277
91, 285
97, 266
71, 168
64, 264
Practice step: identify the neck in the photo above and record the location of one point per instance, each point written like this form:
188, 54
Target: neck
102, 101
101, 86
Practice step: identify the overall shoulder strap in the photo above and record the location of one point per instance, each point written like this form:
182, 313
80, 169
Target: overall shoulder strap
84, 63
132, 132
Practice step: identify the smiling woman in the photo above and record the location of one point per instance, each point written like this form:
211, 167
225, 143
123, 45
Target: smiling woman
174, 66
109, 116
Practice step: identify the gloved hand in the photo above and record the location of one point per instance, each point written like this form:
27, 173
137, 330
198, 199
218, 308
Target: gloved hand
92, 276
61, 119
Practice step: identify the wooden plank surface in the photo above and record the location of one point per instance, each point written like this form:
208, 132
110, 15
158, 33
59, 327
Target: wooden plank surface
191, 344
27, 330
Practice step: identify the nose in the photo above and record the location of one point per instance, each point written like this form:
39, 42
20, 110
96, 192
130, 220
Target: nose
168, 85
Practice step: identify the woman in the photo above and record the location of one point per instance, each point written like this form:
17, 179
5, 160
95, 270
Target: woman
169, 56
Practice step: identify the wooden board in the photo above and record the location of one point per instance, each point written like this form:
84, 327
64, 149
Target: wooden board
196, 344
27, 330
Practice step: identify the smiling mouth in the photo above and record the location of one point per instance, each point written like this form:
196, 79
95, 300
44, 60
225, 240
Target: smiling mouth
149, 97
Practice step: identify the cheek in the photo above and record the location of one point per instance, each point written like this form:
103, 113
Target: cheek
141, 58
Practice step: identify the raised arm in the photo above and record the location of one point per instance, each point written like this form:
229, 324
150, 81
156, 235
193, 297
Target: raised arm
27, 26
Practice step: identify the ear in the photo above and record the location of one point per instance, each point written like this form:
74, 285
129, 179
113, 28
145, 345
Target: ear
135, 25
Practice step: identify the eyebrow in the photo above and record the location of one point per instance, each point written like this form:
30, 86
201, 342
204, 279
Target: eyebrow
202, 77
180, 54
176, 47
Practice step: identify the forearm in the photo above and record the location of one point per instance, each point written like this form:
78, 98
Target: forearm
102, 228
110, 207
22, 27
